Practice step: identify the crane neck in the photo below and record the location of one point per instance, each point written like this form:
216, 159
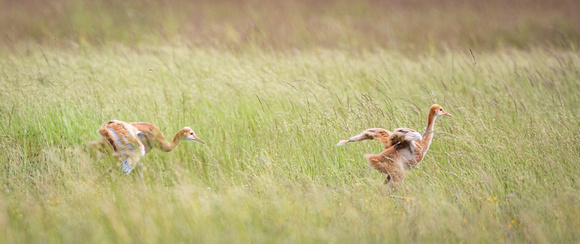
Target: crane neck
428, 135
169, 146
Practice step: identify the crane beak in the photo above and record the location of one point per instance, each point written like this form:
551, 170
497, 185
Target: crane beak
447, 114
199, 140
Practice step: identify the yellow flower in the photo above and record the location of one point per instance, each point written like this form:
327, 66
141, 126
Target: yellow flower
495, 198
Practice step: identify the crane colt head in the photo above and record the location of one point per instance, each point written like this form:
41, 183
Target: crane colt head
438, 110
190, 135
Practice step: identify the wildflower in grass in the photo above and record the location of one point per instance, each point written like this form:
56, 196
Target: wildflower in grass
495, 198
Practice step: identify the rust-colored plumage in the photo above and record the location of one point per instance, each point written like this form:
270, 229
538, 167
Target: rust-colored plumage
124, 138
377, 134
402, 152
393, 161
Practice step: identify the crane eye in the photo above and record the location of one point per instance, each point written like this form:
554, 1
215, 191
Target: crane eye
440, 109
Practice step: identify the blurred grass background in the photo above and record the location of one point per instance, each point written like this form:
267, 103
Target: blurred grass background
406, 26
272, 86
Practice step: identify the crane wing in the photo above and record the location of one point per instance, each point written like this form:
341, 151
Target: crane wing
377, 134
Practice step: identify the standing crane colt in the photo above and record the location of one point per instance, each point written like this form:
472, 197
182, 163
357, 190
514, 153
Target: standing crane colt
403, 150
124, 138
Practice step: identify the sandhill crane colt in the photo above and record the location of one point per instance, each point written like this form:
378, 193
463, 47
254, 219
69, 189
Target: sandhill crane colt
124, 138
400, 146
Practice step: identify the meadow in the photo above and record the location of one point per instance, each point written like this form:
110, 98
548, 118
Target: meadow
271, 87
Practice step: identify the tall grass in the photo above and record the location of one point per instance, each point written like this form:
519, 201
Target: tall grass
502, 169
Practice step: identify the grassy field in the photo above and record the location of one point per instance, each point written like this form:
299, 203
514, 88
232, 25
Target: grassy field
272, 104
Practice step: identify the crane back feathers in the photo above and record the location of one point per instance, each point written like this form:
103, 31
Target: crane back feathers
122, 137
